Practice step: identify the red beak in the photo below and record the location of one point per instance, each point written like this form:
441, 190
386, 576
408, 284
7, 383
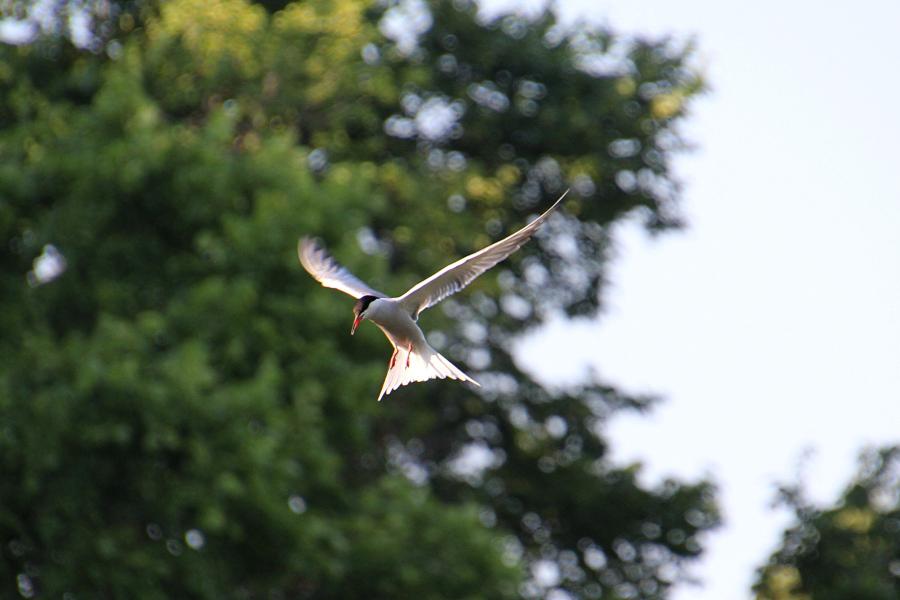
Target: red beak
356, 322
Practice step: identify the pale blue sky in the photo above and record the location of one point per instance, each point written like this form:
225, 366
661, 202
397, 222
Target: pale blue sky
772, 324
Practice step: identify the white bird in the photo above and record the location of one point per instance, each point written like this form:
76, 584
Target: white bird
397, 317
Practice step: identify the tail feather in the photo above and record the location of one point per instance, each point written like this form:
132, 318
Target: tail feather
424, 364
440, 367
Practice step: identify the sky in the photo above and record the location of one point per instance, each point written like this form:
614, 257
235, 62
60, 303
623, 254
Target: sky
771, 324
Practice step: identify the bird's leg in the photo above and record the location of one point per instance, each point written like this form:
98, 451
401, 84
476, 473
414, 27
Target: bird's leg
408, 353
393, 359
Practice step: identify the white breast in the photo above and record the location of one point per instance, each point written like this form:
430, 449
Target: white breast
395, 322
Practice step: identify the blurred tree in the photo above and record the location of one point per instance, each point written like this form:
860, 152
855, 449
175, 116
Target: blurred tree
181, 410
851, 550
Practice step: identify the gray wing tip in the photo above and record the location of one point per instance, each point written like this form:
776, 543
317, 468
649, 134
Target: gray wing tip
558, 200
312, 252
307, 243
543, 217
306, 250
313, 257
304, 245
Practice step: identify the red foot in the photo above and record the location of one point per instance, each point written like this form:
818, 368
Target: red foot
393, 359
408, 354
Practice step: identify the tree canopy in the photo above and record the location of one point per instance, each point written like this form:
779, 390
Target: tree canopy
849, 550
181, 410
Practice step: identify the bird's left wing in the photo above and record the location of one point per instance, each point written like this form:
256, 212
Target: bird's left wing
455, 277
331, 274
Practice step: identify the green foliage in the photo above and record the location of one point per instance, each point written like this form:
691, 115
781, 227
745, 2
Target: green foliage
850, 550
181, 410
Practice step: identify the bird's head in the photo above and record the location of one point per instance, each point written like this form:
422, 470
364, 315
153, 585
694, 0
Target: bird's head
359, 311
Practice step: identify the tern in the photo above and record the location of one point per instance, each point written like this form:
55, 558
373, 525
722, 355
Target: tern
413, 358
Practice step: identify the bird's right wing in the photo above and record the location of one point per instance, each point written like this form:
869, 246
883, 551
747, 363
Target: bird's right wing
331, 274
458, 275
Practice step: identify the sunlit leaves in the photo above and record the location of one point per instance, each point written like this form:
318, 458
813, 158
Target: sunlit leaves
849, 550
321, 38
217, 35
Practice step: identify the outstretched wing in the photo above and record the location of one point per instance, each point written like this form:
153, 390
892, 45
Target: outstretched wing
455, 277
327, 271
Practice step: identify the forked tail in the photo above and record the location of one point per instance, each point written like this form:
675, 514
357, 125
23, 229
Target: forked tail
421, 364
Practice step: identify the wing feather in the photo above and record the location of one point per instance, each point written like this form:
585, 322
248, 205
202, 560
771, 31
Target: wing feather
331, 274
458, 275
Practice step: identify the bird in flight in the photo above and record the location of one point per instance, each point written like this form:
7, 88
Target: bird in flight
413, 358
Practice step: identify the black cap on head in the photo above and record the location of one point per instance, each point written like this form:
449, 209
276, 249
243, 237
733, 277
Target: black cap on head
363, 303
